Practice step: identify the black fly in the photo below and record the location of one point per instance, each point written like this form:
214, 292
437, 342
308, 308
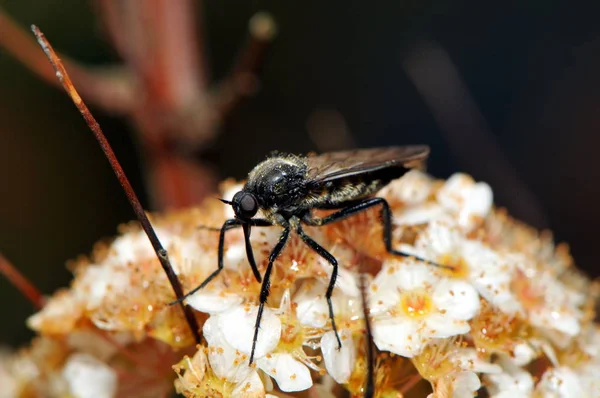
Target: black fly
288, 187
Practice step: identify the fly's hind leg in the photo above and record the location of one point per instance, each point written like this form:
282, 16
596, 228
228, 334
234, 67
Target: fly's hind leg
331, 260
386, 218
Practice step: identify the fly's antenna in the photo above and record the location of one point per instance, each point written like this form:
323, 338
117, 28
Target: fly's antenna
370, 386
161, 253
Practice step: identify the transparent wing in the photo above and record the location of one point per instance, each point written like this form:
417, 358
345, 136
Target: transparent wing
333, 165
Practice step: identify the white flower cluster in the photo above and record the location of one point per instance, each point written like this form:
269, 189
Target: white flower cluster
507, 312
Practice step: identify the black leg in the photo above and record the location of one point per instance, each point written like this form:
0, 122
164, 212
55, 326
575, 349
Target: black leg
250, 253
386, 216
258, 222
227, 225
331, 260
266, 285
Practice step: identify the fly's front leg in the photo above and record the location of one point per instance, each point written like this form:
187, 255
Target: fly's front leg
227, 225
259, 222
266, 284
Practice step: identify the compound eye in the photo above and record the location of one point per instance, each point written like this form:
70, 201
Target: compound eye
247, 205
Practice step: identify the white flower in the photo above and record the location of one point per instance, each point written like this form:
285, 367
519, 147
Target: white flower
412, 304
513, 382
560, 382
290, 374
135, 246
8, 381
312, 309
456, 385
412, 189
468, 359
525, 352
590, 340
338, 362
464, 384
230, 334
459, 199
89, 377
588, 376
487, 271
469, 201
548, 302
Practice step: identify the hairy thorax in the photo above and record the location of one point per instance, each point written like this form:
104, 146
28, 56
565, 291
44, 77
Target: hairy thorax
280, 185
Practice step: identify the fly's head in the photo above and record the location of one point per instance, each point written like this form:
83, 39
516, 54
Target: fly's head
245, 205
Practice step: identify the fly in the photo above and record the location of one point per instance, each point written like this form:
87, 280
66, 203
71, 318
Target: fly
287, 188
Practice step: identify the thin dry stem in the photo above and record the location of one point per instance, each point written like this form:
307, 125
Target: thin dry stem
18, 280
63, 77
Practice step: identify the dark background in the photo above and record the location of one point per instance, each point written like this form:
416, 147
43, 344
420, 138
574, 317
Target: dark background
531, 69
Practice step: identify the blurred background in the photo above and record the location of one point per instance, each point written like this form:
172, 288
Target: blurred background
187, 94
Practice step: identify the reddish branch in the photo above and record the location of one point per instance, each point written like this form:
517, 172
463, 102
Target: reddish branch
161, 253
21, 283
162, 87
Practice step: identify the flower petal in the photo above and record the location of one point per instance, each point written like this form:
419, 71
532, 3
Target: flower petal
442, 238
399, 336
560, 382
346, 283
212, 302
419, 214
442, 326
237, 325
413, 188
477, 205
469, 359
413, 275
225, 361
311, 307
338, 362
465, 384
89, 377
458, 299
558, 320
250, 387
290, 374
453, 193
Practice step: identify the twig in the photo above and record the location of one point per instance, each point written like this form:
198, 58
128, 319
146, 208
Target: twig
161, 253
21, 283
162, 88
243, 80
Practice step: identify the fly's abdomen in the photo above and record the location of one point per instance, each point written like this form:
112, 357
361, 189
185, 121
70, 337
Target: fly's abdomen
344, 190
353, 188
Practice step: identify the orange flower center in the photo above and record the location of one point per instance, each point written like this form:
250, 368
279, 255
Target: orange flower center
460, 268
529, 293
415, 304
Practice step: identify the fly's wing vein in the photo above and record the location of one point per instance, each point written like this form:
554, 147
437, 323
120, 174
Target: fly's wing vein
334, 165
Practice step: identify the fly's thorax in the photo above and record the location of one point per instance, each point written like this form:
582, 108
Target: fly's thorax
278, 182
